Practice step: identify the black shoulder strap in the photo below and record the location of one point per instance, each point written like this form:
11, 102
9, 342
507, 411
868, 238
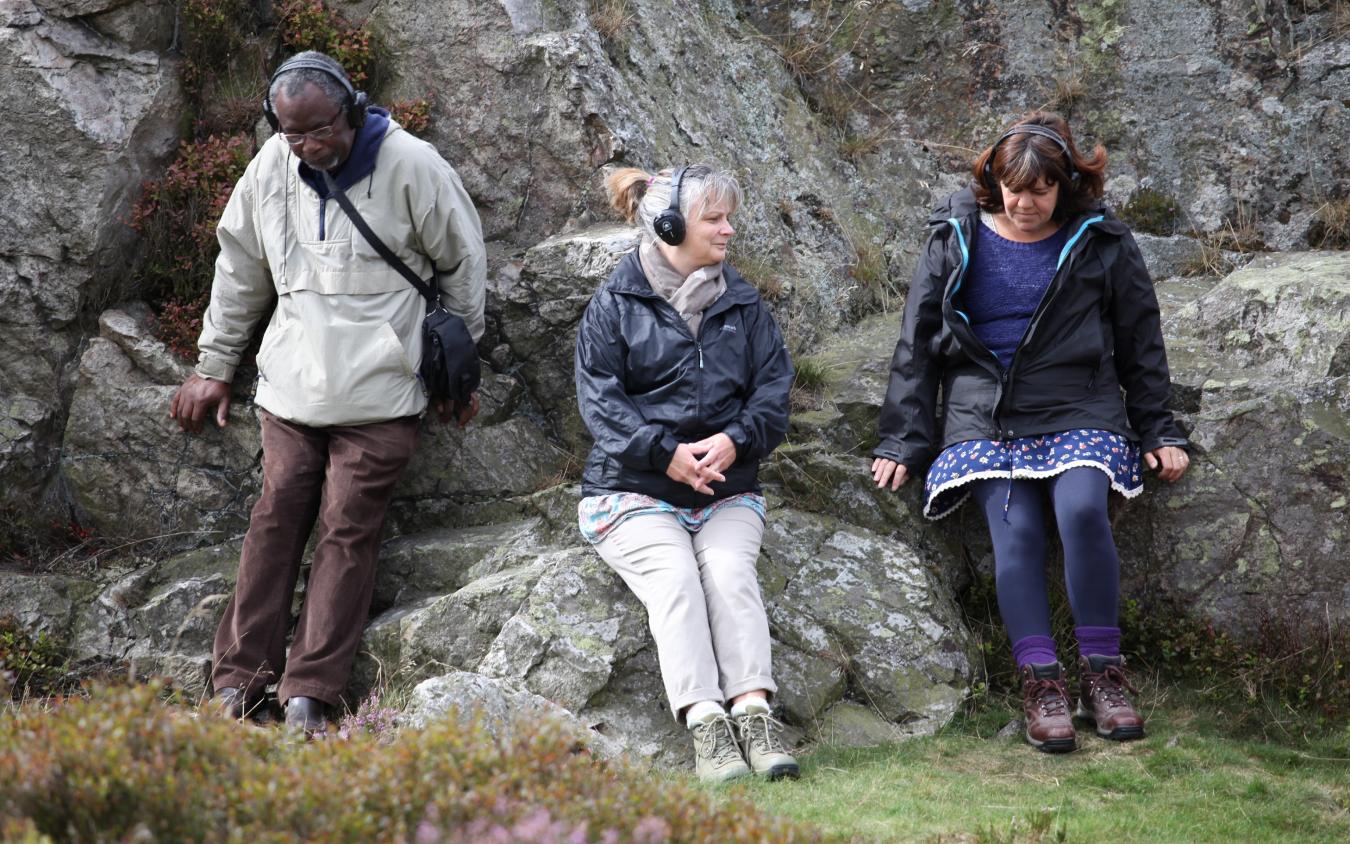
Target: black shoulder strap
427, 291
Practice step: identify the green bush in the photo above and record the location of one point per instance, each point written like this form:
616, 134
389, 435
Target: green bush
122, 765
29, 665
1152, 212
212, 31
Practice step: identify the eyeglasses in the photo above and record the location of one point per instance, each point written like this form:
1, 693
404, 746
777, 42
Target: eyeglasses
322, 133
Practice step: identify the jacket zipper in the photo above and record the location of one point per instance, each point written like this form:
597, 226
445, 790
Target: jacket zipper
1056, 285
997, 370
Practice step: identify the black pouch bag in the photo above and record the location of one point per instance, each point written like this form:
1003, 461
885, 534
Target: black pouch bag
450, 368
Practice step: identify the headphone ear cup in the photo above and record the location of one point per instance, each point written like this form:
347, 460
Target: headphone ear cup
669, 226
356, 113
271, 114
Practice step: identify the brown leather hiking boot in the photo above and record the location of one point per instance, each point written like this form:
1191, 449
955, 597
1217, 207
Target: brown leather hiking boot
1102, 698
1045, 705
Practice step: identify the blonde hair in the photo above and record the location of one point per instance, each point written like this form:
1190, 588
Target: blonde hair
639, 196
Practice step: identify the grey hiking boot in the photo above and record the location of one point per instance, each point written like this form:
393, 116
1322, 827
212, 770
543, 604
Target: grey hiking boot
717, 756
761, 737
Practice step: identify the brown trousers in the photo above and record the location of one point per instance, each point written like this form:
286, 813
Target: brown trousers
342, 477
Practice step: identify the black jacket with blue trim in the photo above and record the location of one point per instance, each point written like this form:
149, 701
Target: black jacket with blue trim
645, 384
1092, 355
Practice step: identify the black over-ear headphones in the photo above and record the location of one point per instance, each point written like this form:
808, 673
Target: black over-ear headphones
669, 224
355, 104
1027, 129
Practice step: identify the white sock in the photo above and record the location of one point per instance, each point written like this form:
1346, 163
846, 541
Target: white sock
751, 706
703, 712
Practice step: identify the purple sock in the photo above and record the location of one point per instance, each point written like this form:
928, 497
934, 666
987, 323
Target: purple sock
1037, 649
1104, 641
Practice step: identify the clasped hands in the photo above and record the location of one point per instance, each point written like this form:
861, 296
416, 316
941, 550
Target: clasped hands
700, 463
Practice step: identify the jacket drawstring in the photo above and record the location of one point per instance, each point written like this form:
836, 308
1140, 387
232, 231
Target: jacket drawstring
1012, 468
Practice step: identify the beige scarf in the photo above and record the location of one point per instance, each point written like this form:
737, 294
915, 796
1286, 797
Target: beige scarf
690, 295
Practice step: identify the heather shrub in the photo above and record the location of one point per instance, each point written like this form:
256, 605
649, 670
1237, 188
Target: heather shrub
311, 25
30, 665
412, 115
177, 216
123, 765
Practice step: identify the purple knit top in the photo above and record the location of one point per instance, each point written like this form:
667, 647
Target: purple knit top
1004, 284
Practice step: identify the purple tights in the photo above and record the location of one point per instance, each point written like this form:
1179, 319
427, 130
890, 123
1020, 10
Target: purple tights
1091, 565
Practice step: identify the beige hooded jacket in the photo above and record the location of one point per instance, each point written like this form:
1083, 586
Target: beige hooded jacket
344, 342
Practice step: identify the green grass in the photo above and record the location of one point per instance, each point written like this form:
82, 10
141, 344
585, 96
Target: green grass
1187, 781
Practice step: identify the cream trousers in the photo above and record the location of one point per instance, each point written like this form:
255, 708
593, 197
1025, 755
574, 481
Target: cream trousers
702, 599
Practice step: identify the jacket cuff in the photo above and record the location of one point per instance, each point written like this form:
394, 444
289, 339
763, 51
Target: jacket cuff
663, 451
890, 450
214, 369
739, 438
1153, 443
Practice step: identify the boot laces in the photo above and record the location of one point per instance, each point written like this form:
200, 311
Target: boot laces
717, 740
1050, 695
763, 731
1110, 685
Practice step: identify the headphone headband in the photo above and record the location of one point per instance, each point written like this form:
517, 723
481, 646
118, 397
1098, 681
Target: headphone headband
1028, 129
355, 101
303, 62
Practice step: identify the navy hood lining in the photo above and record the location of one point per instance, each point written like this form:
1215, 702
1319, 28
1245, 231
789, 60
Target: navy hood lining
360, 161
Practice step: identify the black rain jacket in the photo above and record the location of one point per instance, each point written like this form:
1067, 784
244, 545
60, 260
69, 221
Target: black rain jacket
1096, 330
645, 384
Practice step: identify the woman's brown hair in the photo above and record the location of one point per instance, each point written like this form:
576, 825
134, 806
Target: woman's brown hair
1018, 161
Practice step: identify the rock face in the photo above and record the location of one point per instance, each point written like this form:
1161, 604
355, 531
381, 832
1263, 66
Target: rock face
856, 619
1258, 528
1248, 126
136, 476
843, 121
89, 118
533, 136
125, 461
1261, 368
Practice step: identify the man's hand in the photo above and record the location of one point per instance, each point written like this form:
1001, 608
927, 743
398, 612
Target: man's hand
684, 467
448, 411
889, 472
1169, 461
192, 401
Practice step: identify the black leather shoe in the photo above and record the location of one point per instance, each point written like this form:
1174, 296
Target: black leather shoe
305, 715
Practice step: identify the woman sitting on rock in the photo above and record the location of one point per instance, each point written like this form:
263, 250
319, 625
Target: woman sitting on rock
1032, 310
682, 378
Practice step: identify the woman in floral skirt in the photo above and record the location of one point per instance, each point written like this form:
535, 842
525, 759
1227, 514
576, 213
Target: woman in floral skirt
1033, 313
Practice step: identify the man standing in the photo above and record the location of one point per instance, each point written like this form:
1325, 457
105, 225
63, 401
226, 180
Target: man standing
338, 391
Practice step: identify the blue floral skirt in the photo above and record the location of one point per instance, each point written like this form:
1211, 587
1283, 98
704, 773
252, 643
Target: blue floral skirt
1028, 458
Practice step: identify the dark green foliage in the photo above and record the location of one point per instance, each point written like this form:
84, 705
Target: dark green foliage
213, 31
1152, 212
29, 665
177, 216
122, 765
1295, 665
